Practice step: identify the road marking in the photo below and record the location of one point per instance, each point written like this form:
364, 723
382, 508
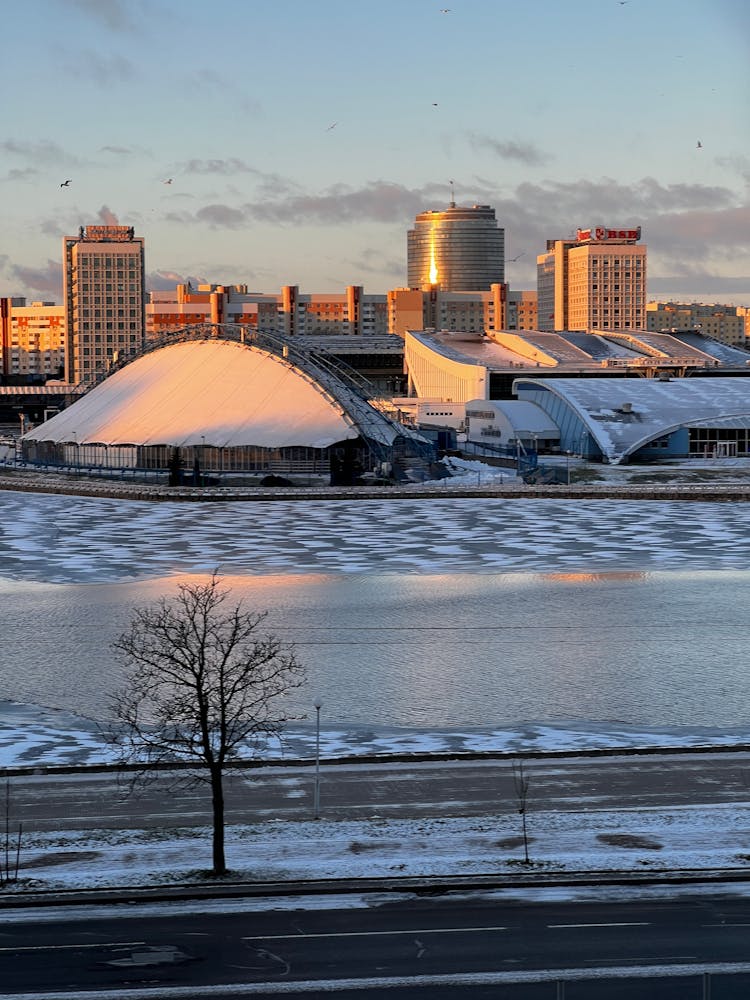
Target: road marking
347, 934
644, 923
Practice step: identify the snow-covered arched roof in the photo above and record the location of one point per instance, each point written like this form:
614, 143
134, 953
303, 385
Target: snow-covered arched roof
215, 392
624, 414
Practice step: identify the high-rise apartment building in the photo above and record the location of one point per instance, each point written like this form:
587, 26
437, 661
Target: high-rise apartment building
104, 288
596, 281
32, 339
458, 249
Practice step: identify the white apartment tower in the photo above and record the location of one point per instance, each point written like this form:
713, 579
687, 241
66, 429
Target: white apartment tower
104, 289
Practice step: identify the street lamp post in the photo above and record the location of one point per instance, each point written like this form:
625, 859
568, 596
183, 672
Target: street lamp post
567, 466
316, 797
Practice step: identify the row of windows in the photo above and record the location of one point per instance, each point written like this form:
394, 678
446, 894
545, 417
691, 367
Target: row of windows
91, 332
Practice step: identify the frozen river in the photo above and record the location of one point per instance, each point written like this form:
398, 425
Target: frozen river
434, 614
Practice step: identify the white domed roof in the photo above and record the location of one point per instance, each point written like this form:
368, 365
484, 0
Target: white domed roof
219, 393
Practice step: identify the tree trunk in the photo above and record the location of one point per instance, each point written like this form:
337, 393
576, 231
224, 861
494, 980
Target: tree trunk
217, 803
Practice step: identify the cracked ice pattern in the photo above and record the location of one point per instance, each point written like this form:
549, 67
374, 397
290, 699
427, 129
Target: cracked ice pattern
62, 539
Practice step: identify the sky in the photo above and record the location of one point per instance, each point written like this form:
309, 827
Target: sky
300, 139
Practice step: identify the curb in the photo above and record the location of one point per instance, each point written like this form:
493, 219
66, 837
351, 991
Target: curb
419, 886
399, 757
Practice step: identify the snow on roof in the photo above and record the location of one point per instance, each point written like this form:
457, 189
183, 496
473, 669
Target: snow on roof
521, 414
503, 349
214, 392
725, 354
623, 414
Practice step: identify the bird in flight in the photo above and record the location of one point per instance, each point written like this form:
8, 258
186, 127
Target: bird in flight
168, 181
445, 10
65, 184
331, 126
699, 145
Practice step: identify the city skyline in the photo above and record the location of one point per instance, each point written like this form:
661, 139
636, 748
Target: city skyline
283, 142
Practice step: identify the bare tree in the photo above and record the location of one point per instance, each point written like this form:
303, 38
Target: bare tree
521, 782
202, 685
9, 869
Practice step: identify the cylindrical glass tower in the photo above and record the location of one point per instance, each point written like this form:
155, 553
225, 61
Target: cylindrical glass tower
459, 249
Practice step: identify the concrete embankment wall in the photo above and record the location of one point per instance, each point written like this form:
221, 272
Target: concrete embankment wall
707, 493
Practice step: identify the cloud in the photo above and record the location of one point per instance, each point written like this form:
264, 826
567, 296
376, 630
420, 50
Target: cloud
377, 201
47, 281
165, 281
125, 152
40, 152
117, 15
376, 262
739, 164
222, 168
209, 83
584, 202
683, 225
222, 217
21, 174
699, 286
107, 217
518, 152
725, 233
104, 70
693, 223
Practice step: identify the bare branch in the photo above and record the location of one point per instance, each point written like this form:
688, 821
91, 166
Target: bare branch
202, 685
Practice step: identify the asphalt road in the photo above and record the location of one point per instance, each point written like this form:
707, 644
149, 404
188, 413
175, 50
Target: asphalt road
470, 946
86, 800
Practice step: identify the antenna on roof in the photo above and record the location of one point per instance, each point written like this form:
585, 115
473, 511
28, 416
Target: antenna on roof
453, 200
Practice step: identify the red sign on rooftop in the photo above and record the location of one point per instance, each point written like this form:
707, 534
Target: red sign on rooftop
110, 234
602, 233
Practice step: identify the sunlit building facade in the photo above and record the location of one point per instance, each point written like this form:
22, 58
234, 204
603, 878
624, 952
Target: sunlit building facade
290, 313
32, 339
521, 311
596, 281
435, 309
726, 323
458, 249
104, 290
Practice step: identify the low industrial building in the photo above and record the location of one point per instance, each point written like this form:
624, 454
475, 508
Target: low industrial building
616, 397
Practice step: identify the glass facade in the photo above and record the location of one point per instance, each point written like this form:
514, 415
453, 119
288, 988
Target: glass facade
459, 249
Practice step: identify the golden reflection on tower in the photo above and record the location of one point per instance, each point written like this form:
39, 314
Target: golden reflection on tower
433, 265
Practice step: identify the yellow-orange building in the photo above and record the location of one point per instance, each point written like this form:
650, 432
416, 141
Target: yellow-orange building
289, 313
596, 281
433, 308
32, 338
726, 323
104, 290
